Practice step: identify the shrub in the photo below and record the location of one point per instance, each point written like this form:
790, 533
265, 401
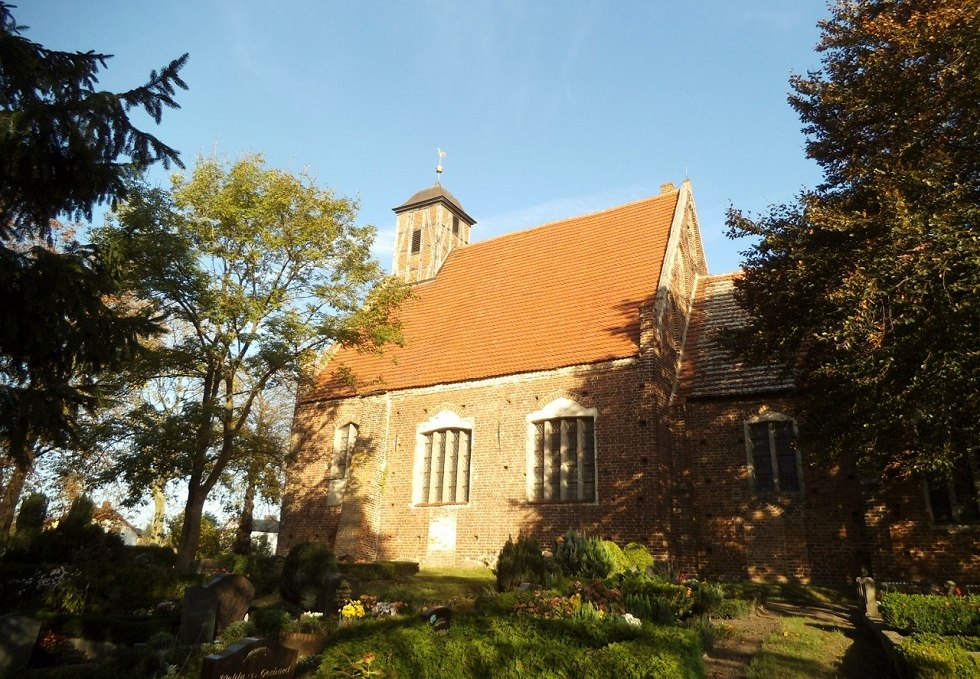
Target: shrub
156, 555
579, 556
33, 511
913, 613
520, 561
269, 621
931, 656
259, 569
380, 570
731, 609
637, 556
708, 596
650, 598
305, 573
237, 631
620, 564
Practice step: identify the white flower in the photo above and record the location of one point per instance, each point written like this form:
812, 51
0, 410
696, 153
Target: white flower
631, 620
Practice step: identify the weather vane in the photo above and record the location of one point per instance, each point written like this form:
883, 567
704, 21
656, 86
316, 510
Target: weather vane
442, 154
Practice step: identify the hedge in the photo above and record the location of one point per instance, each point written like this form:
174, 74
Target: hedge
932, 656
912, 613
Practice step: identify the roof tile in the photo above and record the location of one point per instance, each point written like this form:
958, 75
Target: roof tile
566, 293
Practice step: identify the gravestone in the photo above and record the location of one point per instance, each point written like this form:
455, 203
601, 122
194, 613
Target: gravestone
251, 658
438, 618
199, 615
868, 595
334, 594
18, 635
233, 594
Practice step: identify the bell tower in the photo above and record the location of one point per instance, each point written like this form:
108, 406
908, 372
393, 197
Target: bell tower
427, 228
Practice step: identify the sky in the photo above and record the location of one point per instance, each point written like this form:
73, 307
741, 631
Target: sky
546, 109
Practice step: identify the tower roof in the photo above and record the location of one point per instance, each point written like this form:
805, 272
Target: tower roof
434, 194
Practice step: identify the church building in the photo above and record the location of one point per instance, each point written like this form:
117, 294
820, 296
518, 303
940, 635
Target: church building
571, 376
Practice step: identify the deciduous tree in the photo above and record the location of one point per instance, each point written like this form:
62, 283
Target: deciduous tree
868, 287
256, 271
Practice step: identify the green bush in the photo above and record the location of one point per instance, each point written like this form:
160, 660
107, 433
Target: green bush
650, 598
520, 561
730, 609
155, 555
912, 613
269, 621
33, 511
620, 563
237, 631
259, 569
304, 573
637, 556
380, 570
931, 656
708, 596
580, 557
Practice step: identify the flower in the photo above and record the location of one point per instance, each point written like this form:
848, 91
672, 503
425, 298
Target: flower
632, 620
352, 610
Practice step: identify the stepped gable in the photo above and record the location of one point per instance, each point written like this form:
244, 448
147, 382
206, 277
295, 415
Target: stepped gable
709, 369
566, 293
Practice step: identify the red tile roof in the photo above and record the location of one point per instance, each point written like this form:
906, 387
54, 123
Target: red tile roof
708, 368
562, 294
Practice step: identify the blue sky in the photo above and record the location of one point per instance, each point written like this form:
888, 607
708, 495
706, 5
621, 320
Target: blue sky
546, 108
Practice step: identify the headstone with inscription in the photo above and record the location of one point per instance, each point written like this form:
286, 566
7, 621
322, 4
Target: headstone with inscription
198, 616
251, 658
234, 594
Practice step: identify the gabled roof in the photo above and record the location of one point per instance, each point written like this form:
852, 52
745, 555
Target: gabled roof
708, 368
566, 293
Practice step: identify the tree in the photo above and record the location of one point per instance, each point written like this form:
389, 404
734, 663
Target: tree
262, 458
868, 287
256, 271
64, 148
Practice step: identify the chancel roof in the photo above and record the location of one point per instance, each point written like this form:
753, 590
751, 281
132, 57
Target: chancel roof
563, 294
709, 368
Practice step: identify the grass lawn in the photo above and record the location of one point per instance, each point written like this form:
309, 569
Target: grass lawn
800, 649
431, 586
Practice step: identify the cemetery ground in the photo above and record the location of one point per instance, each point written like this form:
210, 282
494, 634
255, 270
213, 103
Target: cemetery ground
104, 610
77, 603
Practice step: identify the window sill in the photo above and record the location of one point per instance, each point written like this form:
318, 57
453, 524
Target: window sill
561, 502
441, 504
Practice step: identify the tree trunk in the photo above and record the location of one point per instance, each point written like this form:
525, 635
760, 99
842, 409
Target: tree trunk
190, 533
243, 536
159, 514
8, 503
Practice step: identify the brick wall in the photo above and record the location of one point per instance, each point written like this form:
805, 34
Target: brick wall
907, 545
731, 531
632, 456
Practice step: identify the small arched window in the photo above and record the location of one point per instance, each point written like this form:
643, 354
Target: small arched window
773, 455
